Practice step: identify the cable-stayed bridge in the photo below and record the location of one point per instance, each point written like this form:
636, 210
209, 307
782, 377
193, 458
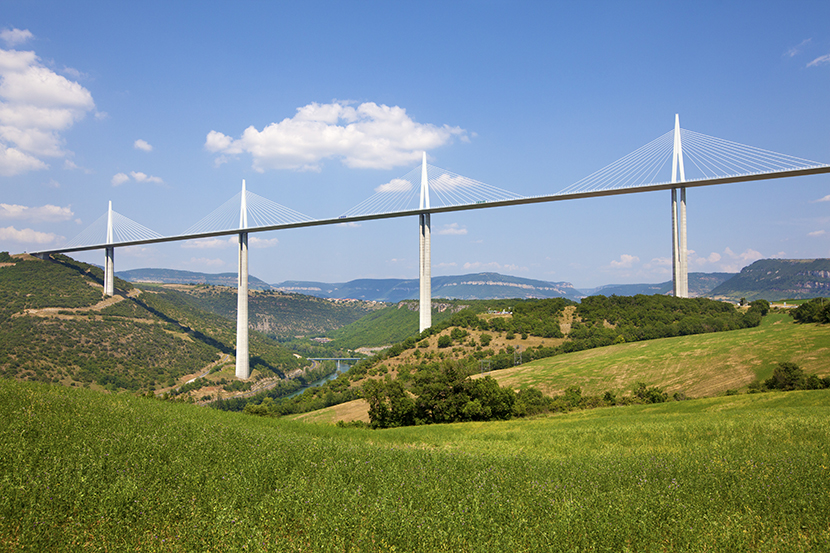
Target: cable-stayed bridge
674, 161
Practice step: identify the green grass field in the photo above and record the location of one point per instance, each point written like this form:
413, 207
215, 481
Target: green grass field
699, 365
81, 470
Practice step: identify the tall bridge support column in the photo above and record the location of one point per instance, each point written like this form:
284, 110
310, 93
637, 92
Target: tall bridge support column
680, 270
425, 264
243, 368
425, 274
109, 262
109, 272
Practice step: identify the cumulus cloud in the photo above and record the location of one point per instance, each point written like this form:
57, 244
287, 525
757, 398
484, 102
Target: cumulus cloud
47, 213
36, 106
824, 199
256, 242
209, 243
819, 61
447, 183
366, 136
28, 236
395, 185
816, 233
142, 145
453, 229
142, 177
230, 242
13, 37
120, 178
626, 261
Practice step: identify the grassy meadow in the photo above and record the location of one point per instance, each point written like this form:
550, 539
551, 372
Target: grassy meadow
85, 471
698, 365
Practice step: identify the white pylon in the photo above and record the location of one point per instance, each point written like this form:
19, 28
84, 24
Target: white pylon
680, 271
109, 261
243, 368
425, 265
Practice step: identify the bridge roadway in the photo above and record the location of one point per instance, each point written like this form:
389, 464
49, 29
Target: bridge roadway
461, 207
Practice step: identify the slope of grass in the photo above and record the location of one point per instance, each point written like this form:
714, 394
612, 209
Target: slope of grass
699, 365
80, 470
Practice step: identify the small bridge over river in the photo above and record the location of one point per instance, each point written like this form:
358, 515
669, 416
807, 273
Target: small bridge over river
690, 158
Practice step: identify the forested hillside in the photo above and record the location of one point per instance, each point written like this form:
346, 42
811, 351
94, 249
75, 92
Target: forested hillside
278, 314
778, 279
55, 326
488, 336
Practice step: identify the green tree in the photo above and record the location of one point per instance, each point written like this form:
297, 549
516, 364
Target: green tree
787, 376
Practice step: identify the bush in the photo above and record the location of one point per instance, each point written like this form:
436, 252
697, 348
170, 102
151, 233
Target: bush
787, 376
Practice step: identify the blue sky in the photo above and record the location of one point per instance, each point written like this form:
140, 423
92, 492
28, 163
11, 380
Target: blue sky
164, 107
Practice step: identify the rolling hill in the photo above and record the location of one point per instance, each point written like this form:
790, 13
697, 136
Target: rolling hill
777, 279
465, 287
55, 326
172, 276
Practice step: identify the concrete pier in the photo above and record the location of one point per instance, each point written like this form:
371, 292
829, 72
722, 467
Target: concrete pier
425, 264
243, 369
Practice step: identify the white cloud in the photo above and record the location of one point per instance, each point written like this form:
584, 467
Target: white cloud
446, 183
824, 199
209, 243
453, 229
142, 145
230, 242
70, 165
820, 60
395, 185
36, 106
13, 37
626, 261
138, 176
14, 162
367, 136
256, 242
142, 177
795, 50
28, 236
47, 213
816, 233
733, 262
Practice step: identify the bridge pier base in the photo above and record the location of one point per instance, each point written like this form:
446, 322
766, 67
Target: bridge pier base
109, 272
243, 369
425, 265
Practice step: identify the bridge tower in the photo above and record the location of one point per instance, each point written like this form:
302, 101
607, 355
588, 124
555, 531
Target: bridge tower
680, 270
243, 369
425, 265
109, 261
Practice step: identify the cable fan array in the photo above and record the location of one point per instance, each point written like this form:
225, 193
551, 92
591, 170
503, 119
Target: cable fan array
124, 229
262, 212
705, 157
446, 189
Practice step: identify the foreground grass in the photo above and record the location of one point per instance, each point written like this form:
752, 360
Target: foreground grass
699, 365
87, 471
